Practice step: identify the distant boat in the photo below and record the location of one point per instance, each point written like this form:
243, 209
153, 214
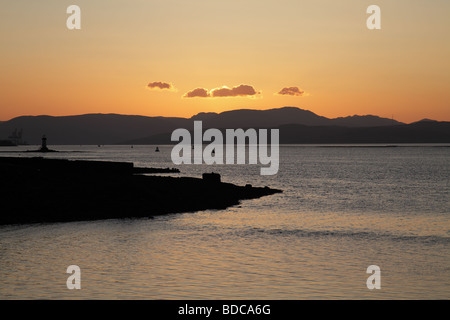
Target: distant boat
132, 147
157, 149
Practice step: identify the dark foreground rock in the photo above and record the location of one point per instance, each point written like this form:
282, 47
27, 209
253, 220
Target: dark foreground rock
34, 190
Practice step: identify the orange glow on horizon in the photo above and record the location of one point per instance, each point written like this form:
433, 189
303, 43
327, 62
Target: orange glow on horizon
325, 50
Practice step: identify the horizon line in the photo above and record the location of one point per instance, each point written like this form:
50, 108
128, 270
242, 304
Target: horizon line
217, 113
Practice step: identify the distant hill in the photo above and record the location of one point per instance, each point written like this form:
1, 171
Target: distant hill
261, 118
364, 121
89, 128
287, 115
296, 126
300, 134
426, 121
438, 132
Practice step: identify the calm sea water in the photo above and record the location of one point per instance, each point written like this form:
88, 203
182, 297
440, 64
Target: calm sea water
342, 210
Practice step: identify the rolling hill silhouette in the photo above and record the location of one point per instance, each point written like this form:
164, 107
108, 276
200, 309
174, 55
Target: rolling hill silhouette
287, 115
89, 128
296, 126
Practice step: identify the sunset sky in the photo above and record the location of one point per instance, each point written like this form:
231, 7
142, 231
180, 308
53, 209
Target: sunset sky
319, 53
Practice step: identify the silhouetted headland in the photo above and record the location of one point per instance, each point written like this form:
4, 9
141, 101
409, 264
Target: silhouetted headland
7, 143
37, 190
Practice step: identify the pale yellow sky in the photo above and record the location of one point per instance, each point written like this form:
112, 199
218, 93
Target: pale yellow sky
322, 47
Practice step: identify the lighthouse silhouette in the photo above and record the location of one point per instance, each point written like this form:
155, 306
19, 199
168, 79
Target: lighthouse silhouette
44, 144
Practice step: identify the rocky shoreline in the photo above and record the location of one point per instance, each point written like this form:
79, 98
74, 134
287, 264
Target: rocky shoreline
39, 190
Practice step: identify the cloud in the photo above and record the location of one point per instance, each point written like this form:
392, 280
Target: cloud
291, 91
199, 92
239, 91
160, 85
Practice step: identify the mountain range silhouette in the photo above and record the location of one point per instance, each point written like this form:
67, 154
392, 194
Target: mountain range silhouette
296, 126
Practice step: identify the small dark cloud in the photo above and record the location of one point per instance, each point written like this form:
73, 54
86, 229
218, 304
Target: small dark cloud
199, 92
160, 85
292, 91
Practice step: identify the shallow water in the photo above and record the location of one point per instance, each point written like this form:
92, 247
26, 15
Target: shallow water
342, 210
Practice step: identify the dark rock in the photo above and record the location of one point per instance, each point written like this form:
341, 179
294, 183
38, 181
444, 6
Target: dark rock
211, 177
36, 190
